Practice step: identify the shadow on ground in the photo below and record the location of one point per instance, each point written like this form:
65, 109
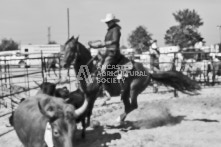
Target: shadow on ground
96, 138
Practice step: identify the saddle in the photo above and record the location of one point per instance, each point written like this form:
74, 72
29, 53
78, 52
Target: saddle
126, 66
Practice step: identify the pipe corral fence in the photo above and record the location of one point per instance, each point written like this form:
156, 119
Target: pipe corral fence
19, 82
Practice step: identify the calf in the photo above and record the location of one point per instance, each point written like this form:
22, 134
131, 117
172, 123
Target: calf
49, 89
76, 98
34, 113
62, 92
11, 122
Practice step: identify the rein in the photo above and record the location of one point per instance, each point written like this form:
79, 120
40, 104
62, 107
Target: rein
91, 60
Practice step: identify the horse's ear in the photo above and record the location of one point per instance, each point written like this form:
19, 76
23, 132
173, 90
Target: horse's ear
77, 38
72, 37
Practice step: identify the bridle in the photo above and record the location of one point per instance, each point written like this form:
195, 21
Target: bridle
75, 56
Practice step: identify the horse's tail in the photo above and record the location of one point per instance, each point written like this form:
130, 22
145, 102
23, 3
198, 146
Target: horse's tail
176, 80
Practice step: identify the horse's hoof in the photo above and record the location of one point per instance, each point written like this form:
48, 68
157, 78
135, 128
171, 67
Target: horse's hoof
118, 124
103, 103
118, 119
8, 125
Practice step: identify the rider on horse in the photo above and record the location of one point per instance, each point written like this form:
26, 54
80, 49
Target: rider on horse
154, 61
111, 42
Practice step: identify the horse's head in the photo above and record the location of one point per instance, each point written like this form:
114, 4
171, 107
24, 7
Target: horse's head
71, 49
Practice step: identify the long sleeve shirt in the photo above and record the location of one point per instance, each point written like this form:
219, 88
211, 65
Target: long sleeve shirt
113, 38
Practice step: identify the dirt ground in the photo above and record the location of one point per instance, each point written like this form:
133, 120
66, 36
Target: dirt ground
160, 121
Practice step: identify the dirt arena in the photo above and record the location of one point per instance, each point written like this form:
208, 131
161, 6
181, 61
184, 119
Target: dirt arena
160, 121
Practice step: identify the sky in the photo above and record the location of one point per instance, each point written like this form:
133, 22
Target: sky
27, 21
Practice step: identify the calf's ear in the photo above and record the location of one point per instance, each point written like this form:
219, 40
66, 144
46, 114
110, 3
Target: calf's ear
47, 108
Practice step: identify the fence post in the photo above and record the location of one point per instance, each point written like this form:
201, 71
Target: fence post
10, 86
2, 94
59, 58
5, 72
27, 75
69, 79
42, 66
174, 69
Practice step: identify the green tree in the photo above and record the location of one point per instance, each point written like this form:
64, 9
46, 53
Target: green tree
8, 45
188, 18
186, 33
140, 39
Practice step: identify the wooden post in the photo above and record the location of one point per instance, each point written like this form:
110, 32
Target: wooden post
68, 19
2, 93
5, 67
10, 85
27, 80
42, 66
59, 58
174, 69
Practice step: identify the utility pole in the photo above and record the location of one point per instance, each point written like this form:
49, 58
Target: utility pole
219, 27
68, 23
49, 35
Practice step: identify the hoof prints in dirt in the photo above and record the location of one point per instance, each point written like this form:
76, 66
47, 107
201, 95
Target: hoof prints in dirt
107, 109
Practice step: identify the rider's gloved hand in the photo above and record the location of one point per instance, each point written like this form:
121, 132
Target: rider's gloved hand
95, 44
90, 44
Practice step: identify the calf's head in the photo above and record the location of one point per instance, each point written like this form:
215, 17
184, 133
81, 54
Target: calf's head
62, 92
62, 118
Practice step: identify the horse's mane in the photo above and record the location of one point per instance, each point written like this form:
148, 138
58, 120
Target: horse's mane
85, 51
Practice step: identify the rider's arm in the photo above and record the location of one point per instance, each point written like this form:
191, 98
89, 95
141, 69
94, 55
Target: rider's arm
93, 45
115, 39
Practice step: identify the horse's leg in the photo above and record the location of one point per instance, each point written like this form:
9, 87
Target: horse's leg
133, 95
207, 75
90, 109
83, 127
54, 69
107, 97
213, 77
88, 120
49, 69
127, 106
68, 72
200, 77
204, 76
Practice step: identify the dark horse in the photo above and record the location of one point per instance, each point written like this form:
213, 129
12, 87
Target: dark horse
215, 68
132, 86
53, 62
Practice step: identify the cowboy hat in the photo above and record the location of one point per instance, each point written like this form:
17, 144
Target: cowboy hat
110, 17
